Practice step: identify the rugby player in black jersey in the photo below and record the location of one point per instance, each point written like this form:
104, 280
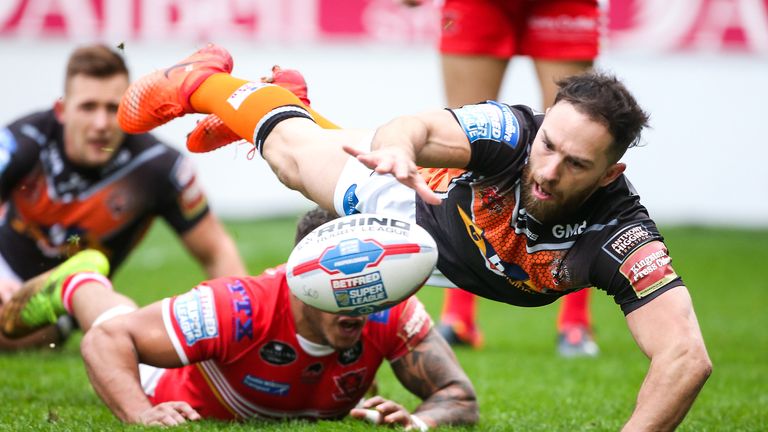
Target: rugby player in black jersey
525, 207
71, 179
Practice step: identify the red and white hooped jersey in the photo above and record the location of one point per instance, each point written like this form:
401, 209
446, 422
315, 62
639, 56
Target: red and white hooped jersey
238, 340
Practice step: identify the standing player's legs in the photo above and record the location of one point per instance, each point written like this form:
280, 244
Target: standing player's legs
476, 44
550, 71
562, 37
470, 79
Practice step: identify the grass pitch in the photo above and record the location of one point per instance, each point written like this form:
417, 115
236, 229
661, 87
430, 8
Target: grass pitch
521, 383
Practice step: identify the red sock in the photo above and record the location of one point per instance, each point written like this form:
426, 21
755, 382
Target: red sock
459, 305
574, 310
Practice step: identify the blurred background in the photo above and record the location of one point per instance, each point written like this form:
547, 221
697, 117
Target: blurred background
698, 66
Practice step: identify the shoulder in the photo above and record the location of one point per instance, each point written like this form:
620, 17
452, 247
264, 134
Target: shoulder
37, 127
497, 122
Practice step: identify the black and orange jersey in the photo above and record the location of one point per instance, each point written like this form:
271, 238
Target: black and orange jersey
490, 246
53, 208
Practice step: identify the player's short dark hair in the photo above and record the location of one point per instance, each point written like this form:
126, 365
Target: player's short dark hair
602, 97
98, 61
311, 220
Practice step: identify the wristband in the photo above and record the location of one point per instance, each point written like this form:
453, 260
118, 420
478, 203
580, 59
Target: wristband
418, 424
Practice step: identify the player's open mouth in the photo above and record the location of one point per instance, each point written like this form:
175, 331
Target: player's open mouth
540, 193
351, 325
100, 144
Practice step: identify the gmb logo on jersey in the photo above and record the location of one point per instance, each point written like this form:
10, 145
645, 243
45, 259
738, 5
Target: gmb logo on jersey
489, 121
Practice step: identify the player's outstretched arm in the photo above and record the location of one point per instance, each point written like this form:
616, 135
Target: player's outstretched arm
432, 372
213, 248
112, 352
667, 331
430, 139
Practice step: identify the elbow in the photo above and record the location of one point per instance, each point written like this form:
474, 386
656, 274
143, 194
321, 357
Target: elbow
468, 402
89, 344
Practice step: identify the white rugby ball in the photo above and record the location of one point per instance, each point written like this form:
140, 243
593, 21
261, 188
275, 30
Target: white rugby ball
359, 264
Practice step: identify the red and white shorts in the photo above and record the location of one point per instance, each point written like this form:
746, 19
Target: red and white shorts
543, 29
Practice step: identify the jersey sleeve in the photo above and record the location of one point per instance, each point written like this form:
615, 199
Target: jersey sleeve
18, 156
402, 327
184, 203
498, 134
209, 321
634, 265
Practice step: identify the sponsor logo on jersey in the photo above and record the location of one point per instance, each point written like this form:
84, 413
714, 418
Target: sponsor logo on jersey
312, 373
359, 290
416, 321
626, 240
277, 353
270, 387
568, 230
8, 147
350, 200
490, 121
195, 312
350, 385
351, 355
381, 317
191, 197
648, 268
243, 309
118, 202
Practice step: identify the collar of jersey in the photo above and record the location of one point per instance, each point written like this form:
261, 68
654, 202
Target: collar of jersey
314, 349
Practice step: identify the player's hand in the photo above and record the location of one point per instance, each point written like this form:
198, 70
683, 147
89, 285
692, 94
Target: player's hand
8, 287
397, 162
168, 414
380, 411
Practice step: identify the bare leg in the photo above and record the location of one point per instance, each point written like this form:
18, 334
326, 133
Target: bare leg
92, 299
549, 71
468, 79
309, 159
471, 79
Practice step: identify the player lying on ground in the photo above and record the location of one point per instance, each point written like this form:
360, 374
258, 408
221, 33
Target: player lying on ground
244, 347
528, 207
71, 179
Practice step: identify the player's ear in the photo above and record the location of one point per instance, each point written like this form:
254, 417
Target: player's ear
58, 109
612, 173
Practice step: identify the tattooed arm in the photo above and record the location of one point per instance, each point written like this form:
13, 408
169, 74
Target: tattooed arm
432, 372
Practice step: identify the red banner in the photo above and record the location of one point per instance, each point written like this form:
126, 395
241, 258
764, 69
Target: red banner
688, 25
651, 25
283, 20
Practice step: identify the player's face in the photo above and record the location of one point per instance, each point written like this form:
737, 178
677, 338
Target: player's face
569, 160
337, 331
88, 113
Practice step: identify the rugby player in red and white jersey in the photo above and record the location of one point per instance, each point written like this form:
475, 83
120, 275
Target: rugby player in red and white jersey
478, 39
531, 207
245, 347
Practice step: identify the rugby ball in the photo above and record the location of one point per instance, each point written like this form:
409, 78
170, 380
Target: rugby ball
359, 264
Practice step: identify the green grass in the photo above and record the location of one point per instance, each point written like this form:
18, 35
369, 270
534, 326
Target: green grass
521, 383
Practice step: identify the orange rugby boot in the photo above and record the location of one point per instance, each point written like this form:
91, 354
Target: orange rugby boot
163, 95
211, 133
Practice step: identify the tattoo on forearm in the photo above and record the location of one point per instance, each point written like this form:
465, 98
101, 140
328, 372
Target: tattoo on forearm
432, 372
